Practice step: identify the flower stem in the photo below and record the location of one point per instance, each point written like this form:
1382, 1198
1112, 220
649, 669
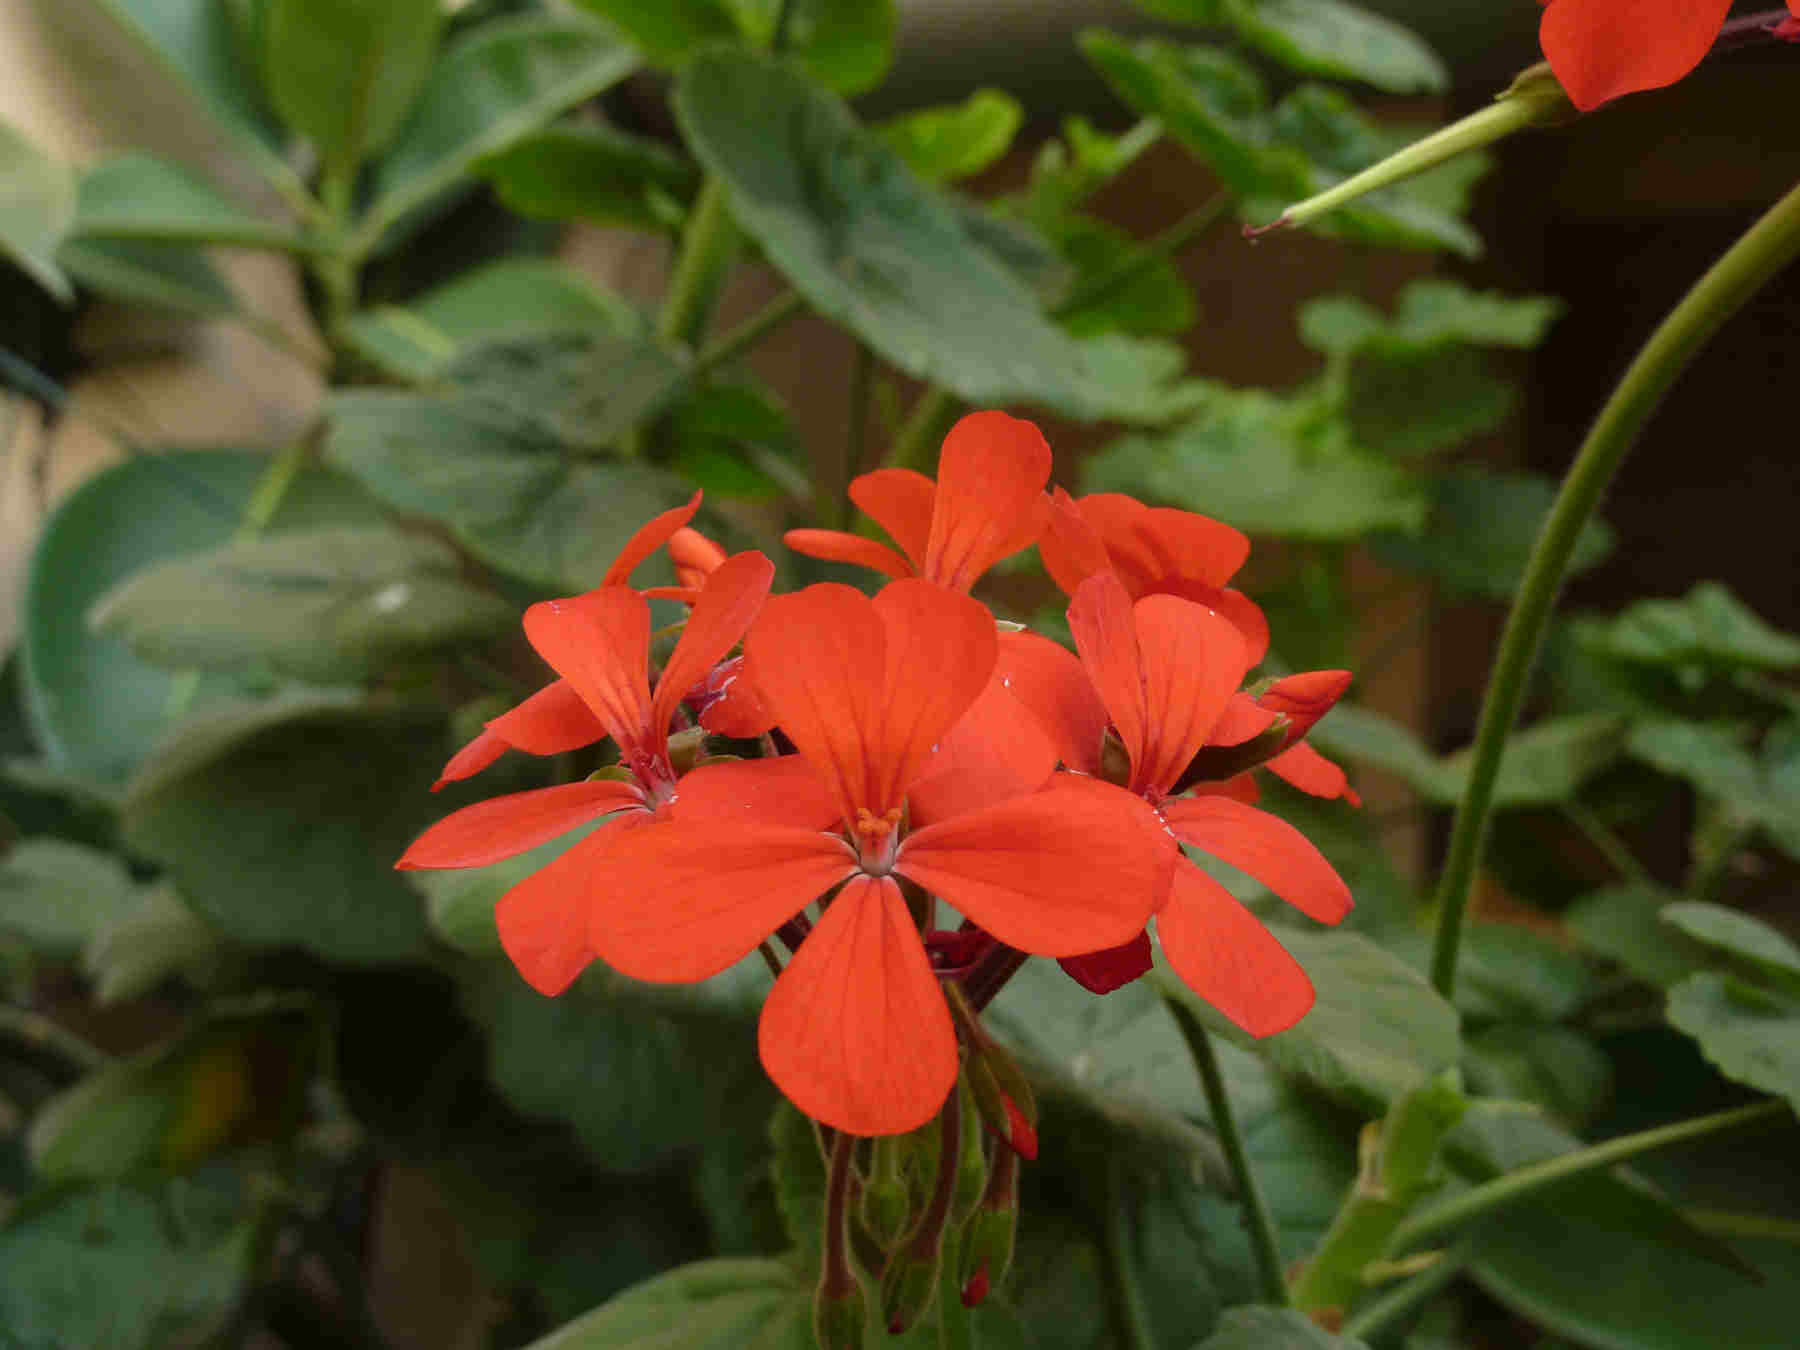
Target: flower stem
1528, 1181
748, 333
1132, 1312
1257, 1219
1158, 249
917, 436
1769, 246
1376, 1316
706, 247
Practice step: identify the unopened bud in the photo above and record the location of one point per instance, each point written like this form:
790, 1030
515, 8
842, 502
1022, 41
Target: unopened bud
839, 1318
987, 1239
906, 1289
975, 1289
886, 1205
1216, 763
1011, 1116
971, 1165
685, 748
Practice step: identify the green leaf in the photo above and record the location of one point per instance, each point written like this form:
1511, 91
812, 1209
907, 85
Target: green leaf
420, 340
37, 207
957, 140
343, 73
1340, 41
1713, 759
1623, 923
58, 895
667, 1074
668, 34
1750, 1033
1737, 934
1415, 406
1259, 1328
1247, 458
191, 44
171, 277
340, 604
1510, 972
1708, 627
735, 441
105, 1266
1556, 1068
1211, 102
1376, 1031
1481, 530
1156, 300
510, 493
1611, 1264
592, 173
144, 944
1067, 172
231, 1078
710, 1304
93, 706
1543, 765
280, 822
141, 198
871, 247
798, 1172
487, 91
848, 44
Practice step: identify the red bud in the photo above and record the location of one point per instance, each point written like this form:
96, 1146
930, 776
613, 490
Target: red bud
976, 1290
1022, 1136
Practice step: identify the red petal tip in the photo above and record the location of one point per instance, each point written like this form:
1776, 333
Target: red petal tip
975, 1292
1024, 1138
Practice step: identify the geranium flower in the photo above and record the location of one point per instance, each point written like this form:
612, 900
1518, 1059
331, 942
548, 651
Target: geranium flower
556, 719
1164, 670
600, 644
987, 504
856, 1031
1601, 49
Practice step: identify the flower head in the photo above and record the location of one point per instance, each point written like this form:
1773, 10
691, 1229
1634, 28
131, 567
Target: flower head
987, 504
1601, 49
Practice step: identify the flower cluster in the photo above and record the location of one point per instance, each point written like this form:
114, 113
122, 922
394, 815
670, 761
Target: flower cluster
918, 758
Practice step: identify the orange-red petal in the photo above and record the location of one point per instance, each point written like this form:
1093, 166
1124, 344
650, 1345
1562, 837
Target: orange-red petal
733, 593
1265, 846
996, 750
836, 546
733, 707
682, 900
990, 497
543, 921
783, 791
473, 758
1245, 614
1052, 685
600, 643
1601, 49
1305, 768
856, 1031
695, 557
1066, 871
940, 651
1071, 547
1193, 660
1100, 620
502, 826
552, 721
1149, 544
901, 501
1226, 956
651, 536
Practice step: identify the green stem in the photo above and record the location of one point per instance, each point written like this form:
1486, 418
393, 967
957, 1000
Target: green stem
918, 435
955, 1331
1606, 839
1132, 1312
1379, 1314
831, 500
706, 248
1257, 1219
1723, 1223
1158, 249
1768, 247
748, 333
1528, 1181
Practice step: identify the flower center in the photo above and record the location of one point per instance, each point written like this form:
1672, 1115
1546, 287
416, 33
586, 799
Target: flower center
877, 839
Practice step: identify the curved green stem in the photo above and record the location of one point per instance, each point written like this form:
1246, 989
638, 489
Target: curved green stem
1132, 1312
1257, 1219
706, 248
748, 333
1527, 1181
1164, 246
918, 435
1769, 246
1378, 1314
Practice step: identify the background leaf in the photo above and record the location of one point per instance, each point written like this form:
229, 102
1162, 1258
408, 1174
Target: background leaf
594, 173
171, 277
343, 74
93, 707
1327, 37
339, 604
37, 206
955, 141
710, 1303
139, 197
489, 89
1750, 1033
1257, 1328
280, 822
1708, 627
57, 895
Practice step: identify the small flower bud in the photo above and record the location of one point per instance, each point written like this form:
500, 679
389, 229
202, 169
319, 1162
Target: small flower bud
685, 748
886, 1206
991, 1073
971, 1166
975, 1289
987, 1239
906, 1289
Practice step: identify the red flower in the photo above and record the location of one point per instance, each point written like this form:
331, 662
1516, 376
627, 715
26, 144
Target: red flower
1166, 670
1302, 699
1153, 550
600, 644
987, 504
1601, 49
856, 1031
555, 720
